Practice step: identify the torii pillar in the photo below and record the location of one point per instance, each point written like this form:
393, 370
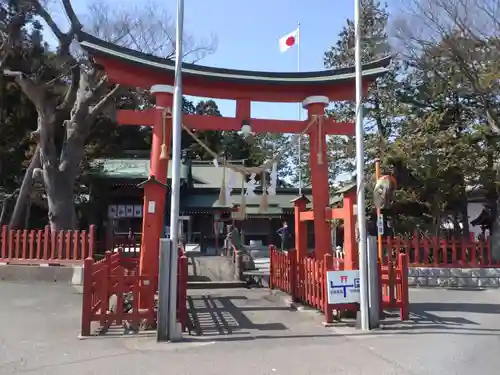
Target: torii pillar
155, 188
315, 106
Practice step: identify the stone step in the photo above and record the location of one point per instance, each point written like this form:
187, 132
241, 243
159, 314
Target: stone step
216, 284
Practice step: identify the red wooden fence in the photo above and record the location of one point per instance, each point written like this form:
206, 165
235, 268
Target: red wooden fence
116, 275
425, 251
393, 281
46, 247
305, 280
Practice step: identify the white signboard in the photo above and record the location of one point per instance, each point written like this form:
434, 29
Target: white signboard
121, 210
129, 211
138, 210
342, 287
380, 225
151, 207
112, 211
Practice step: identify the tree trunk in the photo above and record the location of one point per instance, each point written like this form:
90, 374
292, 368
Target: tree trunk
4, 210
61, 202
18, 215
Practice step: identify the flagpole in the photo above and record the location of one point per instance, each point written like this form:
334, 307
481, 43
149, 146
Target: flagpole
176, 172
360, 171
299, 115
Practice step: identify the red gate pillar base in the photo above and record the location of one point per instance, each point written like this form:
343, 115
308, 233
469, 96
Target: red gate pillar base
315, 106
299, 205
155, 190
350, 243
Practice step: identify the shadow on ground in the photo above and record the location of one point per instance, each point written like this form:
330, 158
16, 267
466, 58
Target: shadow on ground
221, 316
447, 318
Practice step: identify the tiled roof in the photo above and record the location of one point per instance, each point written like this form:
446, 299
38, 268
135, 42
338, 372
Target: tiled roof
128, 168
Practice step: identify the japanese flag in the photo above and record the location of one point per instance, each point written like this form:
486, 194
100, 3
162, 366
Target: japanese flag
288, 41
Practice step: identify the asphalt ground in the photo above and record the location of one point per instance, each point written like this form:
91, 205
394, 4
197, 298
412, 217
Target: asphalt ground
243, 332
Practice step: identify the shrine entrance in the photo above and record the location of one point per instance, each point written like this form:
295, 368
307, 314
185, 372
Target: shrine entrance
315, 90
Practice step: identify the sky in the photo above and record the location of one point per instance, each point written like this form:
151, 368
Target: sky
247, 35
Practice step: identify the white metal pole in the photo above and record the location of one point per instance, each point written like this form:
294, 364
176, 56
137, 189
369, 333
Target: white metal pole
360, 171
176, 175
299, 114
162, 325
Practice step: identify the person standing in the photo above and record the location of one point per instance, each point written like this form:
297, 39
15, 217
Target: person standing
283, 232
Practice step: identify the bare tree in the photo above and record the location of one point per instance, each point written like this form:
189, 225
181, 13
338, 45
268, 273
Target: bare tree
70, 102
458, 41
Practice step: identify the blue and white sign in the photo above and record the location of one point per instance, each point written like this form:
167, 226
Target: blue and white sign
342, 287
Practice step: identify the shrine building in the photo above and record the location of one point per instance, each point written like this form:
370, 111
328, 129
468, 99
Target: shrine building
116, 196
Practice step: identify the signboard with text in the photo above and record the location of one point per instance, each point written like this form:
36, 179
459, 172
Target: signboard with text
342, 287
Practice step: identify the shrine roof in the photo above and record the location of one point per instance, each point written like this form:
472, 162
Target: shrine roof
139, 69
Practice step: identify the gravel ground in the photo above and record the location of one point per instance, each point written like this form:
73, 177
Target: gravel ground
247, 332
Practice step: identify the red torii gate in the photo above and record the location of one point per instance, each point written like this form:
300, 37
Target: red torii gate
315, 90
157, 192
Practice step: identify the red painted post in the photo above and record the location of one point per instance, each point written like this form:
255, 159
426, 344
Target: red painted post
272, 266
299, 205
39, 239
91, 243
60, 244
350, 243
75, 250
10, 246
87, 297
292, 278
155, 191
24, 240
327, 266
405, 292
381, 288
315, 106
392, 282
4, 239
67, 246
46, 242
31, 247
416, 245
17, 249
105, 287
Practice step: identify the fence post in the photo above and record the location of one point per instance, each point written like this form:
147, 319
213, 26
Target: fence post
87, 298
292, 276
271, 267
3, 253
327, 266
381, 288
405, 293
91, 241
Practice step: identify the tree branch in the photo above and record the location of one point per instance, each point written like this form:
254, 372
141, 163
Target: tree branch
98, 108
34, 92
70, 97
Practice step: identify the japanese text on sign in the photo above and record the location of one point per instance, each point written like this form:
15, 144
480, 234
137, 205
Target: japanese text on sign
342, 287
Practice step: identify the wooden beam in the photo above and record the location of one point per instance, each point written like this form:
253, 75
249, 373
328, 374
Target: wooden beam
202, 122
307, 216
135, 118
335, 213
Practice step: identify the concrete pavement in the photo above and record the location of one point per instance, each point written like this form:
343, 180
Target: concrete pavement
247, 332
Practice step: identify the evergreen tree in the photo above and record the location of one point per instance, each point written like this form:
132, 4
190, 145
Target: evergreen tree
381, 106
